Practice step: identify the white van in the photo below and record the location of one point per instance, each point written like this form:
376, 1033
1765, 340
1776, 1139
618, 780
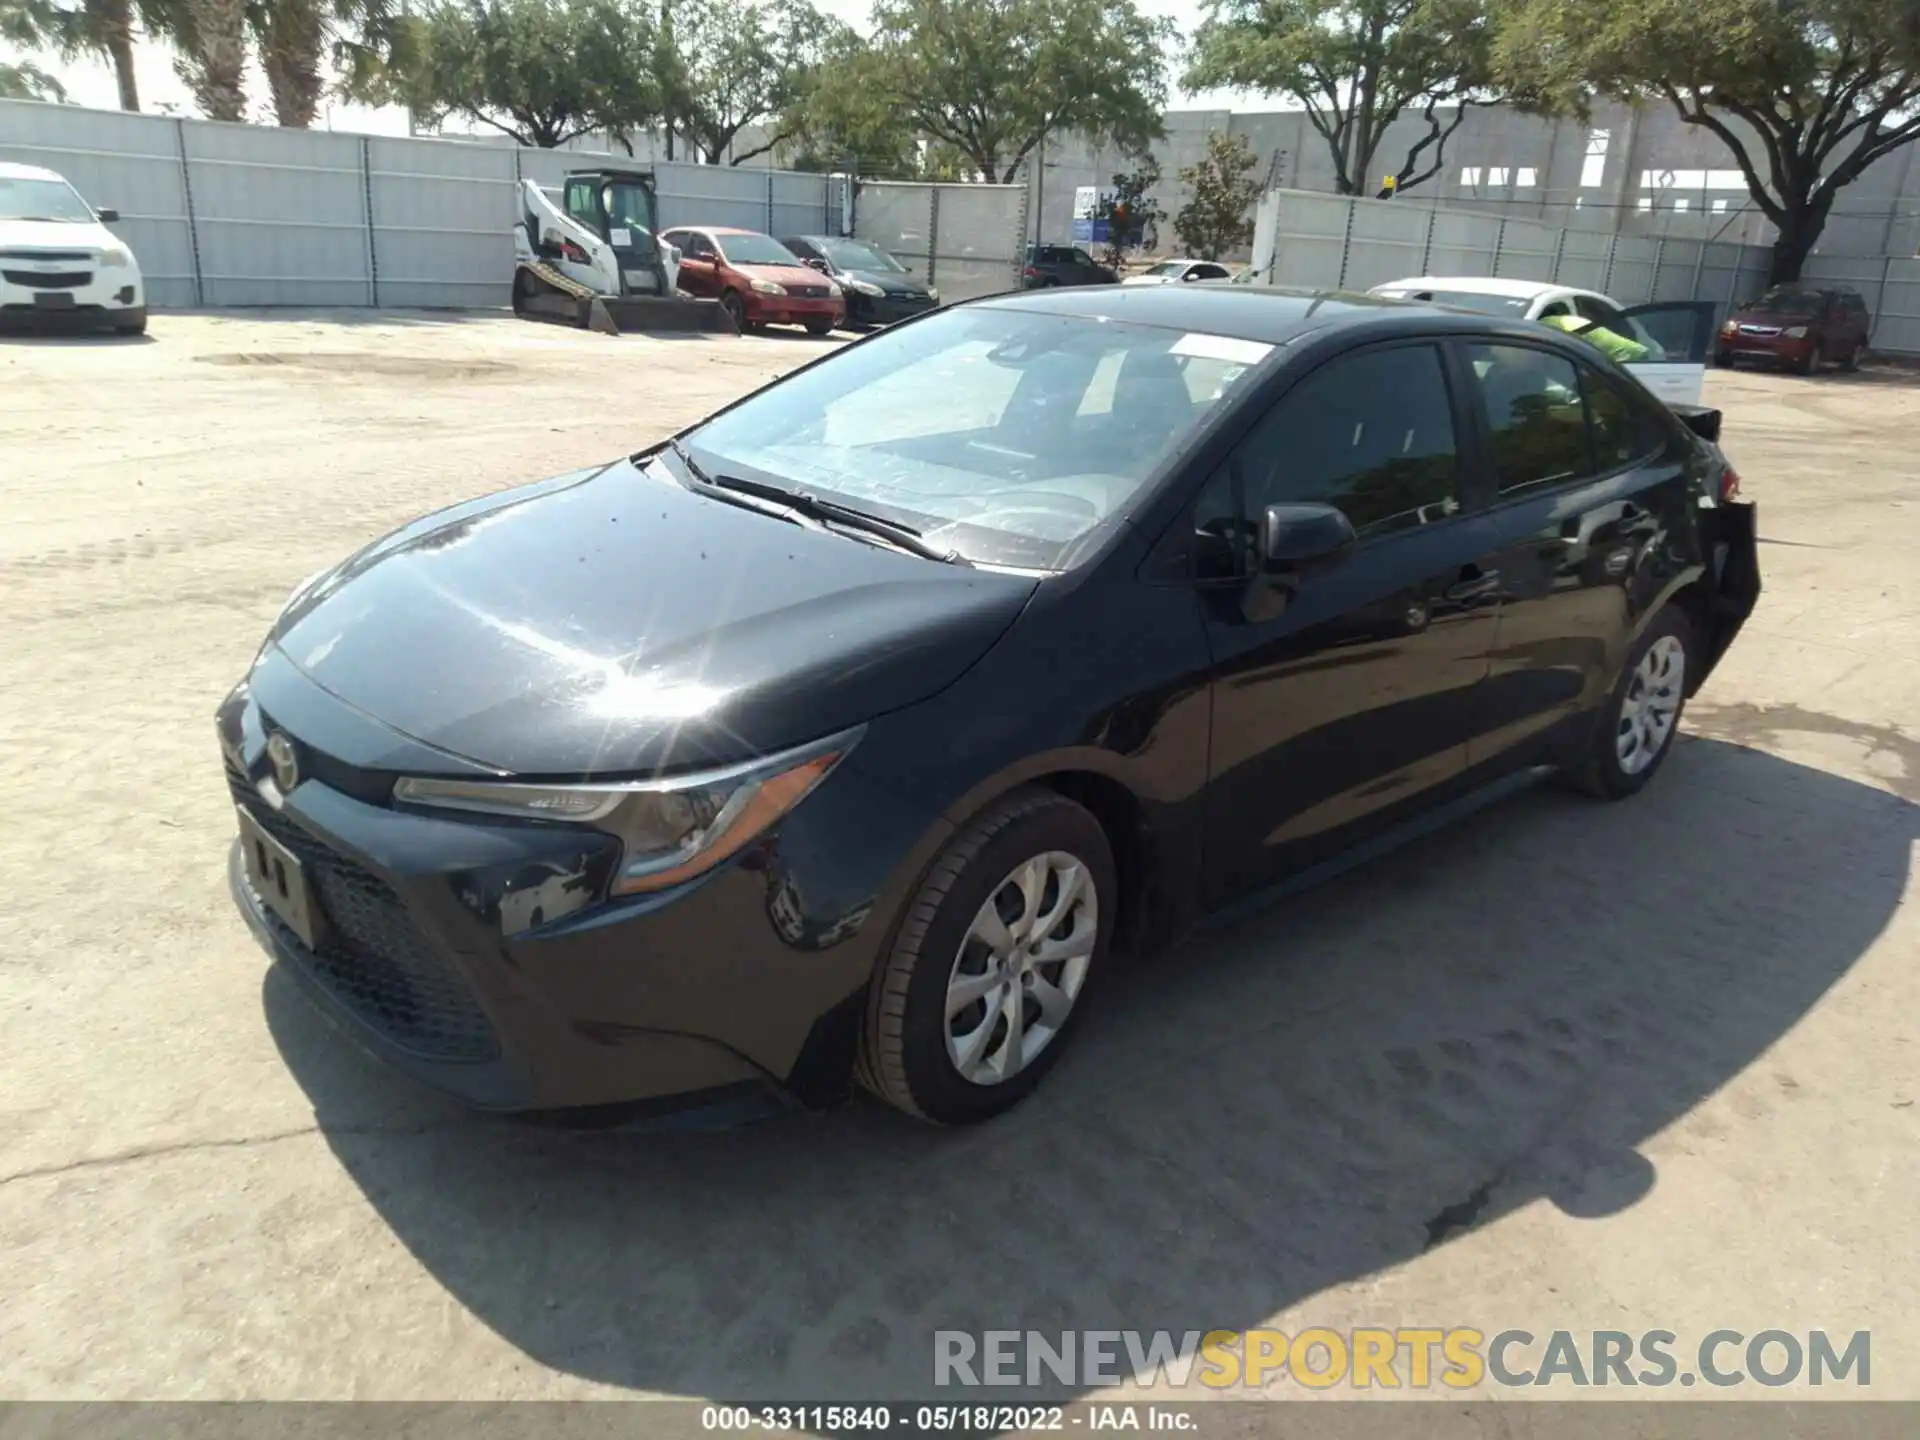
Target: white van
58, 260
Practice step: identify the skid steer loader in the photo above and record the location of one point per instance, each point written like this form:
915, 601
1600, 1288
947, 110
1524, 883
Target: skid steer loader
596, 260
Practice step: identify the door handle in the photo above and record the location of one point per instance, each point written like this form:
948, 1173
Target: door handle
1474, 584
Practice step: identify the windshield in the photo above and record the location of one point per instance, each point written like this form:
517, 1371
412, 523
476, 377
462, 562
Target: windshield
1465, 300
854, 255
753, 249
1790, 302
1002, 434
42, 200
629, 207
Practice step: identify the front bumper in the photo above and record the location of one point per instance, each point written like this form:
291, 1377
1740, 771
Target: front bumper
479, 958
1777, 349
886, 309
74, 292
791, 309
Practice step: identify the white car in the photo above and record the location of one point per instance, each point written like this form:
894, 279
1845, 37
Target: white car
1169, 272
58, 260
1678, 334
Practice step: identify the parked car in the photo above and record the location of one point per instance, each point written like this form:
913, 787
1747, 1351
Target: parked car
1049, 265
58, 260
1678, 334
1171, 272
756, 278
848, 730
1798, 326
877, 288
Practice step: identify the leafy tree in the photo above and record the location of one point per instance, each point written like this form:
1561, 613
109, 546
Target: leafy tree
541, 71
740, 63
1355, 67
1806, 93
211, 38
1221, 189
27, 81
73, 28
1132, 218
990, 78
843, 114
296, 39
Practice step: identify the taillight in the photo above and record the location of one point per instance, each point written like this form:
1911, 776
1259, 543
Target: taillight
571, 251
1029, 273
1729, 483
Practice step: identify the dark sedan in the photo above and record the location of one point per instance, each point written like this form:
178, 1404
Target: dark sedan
878, 289
844, 734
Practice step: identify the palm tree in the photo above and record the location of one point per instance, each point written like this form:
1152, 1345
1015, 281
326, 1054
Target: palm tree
297, 37
27, 81
78, 28
211, 37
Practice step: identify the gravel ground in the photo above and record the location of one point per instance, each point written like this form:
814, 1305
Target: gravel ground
1559, 1066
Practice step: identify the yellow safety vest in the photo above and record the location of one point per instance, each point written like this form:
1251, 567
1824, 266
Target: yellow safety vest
1614, 346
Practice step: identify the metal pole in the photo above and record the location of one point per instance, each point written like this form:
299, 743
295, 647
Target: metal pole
1426, 243
933, 229
1039, 188
186, 195
366, 200
770, 202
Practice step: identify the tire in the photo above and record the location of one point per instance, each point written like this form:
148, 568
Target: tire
1723, 359
130, 327
1808, 363
819, 327
1850, 362
736, 309
1612, 771
910, 1054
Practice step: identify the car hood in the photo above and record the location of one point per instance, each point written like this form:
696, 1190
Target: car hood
783, 274
611, 622
891, 281
54, 235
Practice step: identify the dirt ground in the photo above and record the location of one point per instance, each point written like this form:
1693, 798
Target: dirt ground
1562, 1065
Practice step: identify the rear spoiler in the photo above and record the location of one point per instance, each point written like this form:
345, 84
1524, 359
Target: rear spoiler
1702, 420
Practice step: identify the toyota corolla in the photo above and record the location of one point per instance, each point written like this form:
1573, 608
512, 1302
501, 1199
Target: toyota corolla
843, 735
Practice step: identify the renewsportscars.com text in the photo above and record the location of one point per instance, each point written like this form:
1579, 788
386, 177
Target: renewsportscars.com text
1401, 1358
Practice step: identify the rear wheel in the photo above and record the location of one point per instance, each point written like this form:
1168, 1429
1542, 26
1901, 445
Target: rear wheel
990, 969
736, 309
1851, 360
1643, 713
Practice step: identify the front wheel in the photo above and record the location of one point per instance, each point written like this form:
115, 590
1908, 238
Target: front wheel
736, 309
1723, 359
1809, 362
137, 326
1851, 360
819, 327
991, 965
1643, 713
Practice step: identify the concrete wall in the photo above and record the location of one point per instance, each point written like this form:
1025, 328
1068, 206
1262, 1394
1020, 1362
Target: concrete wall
1513, 164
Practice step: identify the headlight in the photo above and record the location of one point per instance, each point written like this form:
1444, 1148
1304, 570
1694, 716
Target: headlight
865, 287
1732, 327
116, 257
1796, 332
768, 287
672, 829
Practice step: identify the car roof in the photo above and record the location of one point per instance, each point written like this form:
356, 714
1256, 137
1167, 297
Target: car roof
722, 230
1273, 315
10, 171
1475, 285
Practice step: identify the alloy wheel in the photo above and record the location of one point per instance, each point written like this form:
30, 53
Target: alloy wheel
1651, 704
1020, 967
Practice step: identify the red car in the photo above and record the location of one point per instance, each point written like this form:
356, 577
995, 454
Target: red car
757, 279
1798, 326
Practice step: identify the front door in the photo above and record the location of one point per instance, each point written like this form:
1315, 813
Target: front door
1682, 333
699, 274
1342, 698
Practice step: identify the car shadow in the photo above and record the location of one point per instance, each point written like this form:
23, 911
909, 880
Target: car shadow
38, 336
1499, 1013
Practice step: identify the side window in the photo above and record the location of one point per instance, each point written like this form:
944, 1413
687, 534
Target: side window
1558, 307
580, 203
1601, 313
1623, 428
1534, 415
697, 246
1370, 433
1209, 272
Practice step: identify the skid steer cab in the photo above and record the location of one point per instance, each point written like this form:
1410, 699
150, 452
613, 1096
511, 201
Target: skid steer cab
595, 259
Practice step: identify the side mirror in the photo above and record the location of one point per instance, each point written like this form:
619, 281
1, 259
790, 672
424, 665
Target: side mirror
1298, 538
107, 217
816, 264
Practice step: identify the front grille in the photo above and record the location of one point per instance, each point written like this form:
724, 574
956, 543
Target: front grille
372, 957
49, 280
1759, 329
807, 292
51, 257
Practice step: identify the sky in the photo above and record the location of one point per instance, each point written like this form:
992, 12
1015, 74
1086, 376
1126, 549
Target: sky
91, 82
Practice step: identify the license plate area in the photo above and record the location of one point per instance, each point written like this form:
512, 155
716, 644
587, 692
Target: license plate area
53, 299
279, 879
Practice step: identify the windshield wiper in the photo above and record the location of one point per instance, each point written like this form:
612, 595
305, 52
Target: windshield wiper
820, 510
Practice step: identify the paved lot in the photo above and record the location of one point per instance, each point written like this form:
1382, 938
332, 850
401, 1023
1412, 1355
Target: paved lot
1654, 1063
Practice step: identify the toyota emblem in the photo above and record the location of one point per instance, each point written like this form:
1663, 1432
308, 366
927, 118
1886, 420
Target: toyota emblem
285, 761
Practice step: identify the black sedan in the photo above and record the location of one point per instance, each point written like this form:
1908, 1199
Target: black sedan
844, 734
877, 288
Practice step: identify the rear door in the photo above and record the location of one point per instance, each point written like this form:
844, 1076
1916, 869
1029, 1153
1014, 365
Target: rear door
1682, 333
1592, 499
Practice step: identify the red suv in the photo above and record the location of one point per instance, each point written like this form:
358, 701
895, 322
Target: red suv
1799, 326
757, 279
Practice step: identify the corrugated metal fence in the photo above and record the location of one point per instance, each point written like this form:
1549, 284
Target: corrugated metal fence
253, 215
966, 240
1342, 242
